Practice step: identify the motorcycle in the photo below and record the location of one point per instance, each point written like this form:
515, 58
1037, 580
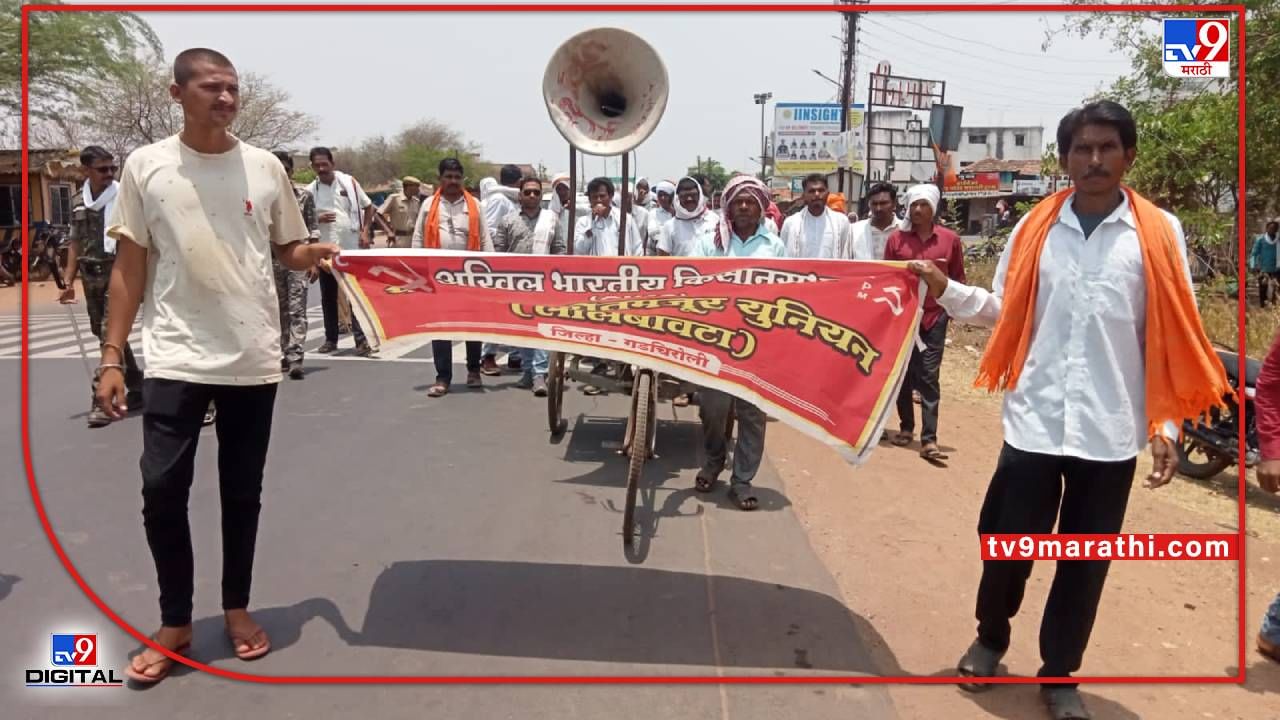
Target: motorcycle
1212, 445
11, 256
48, 255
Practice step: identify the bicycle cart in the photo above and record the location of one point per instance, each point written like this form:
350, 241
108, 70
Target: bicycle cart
646, 387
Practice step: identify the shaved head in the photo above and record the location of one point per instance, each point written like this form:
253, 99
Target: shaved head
184, 66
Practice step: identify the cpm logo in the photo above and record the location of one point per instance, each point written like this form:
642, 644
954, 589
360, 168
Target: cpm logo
1197, 47
72, 650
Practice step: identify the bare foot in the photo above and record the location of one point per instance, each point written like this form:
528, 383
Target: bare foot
151, 666
248, 637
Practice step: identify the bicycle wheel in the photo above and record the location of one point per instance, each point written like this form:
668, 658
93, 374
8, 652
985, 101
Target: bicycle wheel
639, 441
555, 393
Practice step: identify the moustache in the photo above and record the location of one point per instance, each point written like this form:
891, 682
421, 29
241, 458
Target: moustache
1096, 172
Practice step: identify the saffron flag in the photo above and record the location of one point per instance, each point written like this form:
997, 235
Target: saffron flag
819, 344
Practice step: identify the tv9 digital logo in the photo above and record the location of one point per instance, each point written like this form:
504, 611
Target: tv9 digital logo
74, 657
72, 650
1197, 47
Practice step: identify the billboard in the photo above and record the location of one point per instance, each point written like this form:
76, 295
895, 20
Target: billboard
806, 139
972, 185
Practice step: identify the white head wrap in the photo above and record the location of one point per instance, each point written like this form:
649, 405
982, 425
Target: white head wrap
926, 192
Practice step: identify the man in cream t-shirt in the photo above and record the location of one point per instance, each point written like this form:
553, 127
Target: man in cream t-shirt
197, 219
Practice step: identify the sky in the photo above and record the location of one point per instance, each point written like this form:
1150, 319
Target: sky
370, 73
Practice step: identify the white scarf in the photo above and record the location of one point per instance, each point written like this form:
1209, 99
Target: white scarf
343, 181
694, 214
542, 232
104, 202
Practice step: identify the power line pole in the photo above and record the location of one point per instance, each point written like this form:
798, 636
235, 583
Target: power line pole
847, 75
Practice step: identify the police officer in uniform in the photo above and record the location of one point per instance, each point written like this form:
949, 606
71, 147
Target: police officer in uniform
401, 209
92, 253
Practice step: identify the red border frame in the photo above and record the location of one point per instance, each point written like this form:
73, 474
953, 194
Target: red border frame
1241, 221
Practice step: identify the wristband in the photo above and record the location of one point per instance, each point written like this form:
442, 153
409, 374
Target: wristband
97, 374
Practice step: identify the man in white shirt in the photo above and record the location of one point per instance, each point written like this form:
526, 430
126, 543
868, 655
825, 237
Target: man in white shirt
742, 233
344, 214
1082, 282
198, 217
597, 233
693, 222
498, 200
819, 231
498, 197
452, 220
870, 236
662, 211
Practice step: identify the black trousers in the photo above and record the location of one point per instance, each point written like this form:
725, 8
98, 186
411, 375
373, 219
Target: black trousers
922, 374
1028, 492
329, 308
170, 432
442, 354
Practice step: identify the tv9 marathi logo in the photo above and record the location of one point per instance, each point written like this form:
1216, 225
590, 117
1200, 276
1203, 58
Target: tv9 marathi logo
1197, 47
74, 658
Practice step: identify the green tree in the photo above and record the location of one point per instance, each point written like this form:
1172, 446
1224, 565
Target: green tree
69, 53
715, 173
1188, 134
423, 163
417, 150
135, 109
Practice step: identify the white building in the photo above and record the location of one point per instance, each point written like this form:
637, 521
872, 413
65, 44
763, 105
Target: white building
1001, 143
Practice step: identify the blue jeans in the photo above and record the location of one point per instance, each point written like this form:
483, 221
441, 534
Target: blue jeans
1271, 622
535, 362
494, 349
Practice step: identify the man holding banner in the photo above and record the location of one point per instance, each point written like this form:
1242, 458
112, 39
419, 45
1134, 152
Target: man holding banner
1100, 348
741, 232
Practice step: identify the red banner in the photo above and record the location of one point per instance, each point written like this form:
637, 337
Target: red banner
820, 344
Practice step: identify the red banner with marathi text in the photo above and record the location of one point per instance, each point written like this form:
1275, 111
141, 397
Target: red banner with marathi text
819, 344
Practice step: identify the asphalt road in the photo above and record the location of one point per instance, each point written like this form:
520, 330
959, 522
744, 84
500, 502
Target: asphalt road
402, 535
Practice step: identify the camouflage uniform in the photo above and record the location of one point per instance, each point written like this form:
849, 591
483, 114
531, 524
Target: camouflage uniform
94, 264
291, 289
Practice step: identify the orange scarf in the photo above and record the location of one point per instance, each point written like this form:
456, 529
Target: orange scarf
431, 226
1185, 378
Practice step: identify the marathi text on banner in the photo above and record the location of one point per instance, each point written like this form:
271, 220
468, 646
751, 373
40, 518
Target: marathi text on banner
820, 344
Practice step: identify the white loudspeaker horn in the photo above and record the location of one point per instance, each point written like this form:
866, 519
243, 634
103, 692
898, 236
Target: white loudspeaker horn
606, 90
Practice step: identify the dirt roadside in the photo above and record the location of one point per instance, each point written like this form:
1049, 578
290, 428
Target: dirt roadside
899, 536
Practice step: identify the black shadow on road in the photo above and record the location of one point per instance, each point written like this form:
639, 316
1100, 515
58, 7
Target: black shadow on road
587, 613
1015, 702
6, 584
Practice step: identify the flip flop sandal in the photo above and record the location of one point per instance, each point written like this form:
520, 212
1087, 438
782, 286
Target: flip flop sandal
1065, 703
933, 453
252, 653
978, 661
143, 678
744, 500
901, 439
438, 390
704, 483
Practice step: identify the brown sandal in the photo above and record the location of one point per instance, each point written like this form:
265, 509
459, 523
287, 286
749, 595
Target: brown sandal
252, 652
438, 390
901, 439
145, 679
